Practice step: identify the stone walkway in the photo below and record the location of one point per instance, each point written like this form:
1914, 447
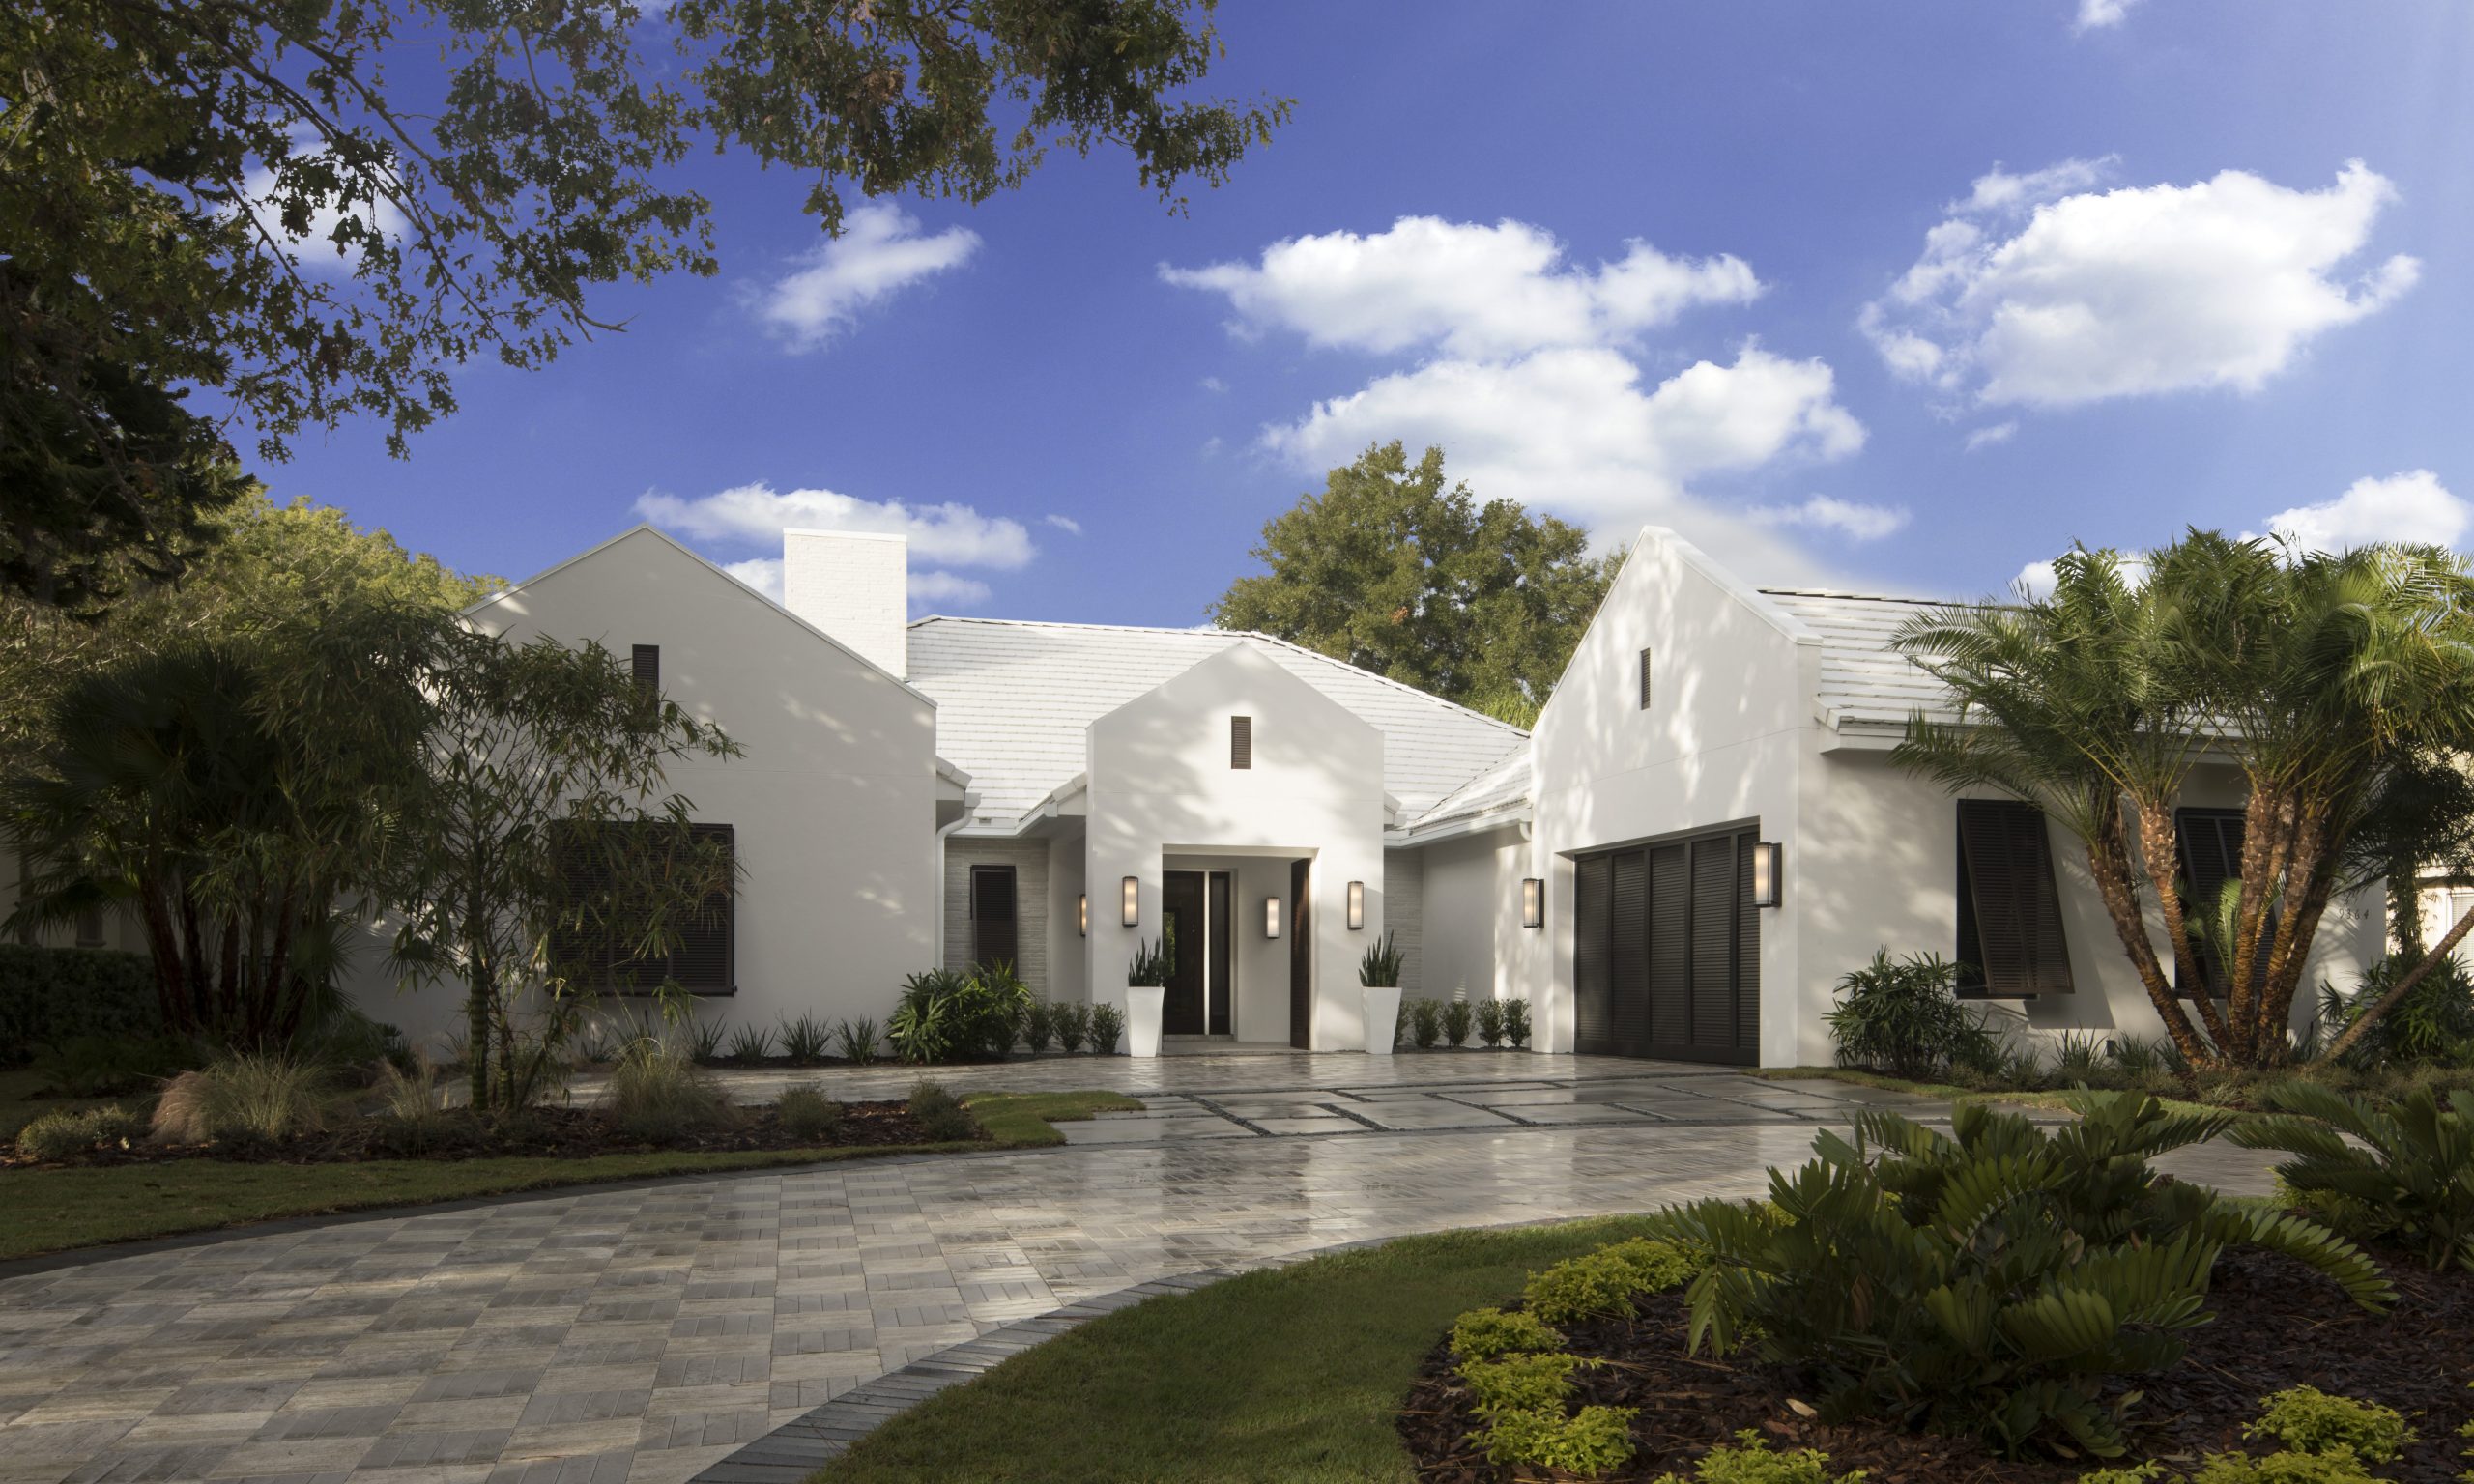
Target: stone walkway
645, 1335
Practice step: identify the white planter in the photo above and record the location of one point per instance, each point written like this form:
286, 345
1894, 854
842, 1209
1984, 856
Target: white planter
1144, 1004
1381, 1017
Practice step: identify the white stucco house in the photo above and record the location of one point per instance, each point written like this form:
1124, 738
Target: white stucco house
966, 789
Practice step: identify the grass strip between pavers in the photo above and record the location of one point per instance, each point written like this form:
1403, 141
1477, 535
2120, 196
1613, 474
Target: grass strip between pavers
2057, 1102
1293, 1373
58, 1210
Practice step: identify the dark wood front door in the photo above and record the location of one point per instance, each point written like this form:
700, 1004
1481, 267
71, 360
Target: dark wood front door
1301, 955
1666, 950
1182, 894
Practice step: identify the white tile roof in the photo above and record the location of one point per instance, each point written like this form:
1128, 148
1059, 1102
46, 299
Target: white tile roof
1500, 786
1014, 698
1863, 678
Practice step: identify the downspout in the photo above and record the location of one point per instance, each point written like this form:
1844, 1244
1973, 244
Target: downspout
970, 802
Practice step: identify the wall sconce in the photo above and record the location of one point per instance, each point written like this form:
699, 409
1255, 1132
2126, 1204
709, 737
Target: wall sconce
1132, 901
1765, 874
1533, 902
1271, 917
1357, 906
1082, 913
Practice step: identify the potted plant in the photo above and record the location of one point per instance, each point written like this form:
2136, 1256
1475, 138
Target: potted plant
1378, 976
1146, 993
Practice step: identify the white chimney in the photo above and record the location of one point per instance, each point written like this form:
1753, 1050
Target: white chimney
855, 586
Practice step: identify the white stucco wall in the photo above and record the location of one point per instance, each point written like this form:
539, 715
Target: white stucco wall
1161, 785
1068, 966
1473, 936
833, 803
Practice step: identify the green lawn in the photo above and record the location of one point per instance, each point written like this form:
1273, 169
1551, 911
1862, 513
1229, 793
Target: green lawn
55, 1211
1292, 1375
2058, 1101
19, 1106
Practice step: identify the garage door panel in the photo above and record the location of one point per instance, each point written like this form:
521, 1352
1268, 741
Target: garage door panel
1593, 883
1627, 955
1667, 952
1670, 946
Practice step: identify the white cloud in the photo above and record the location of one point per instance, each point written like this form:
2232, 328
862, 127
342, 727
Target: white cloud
946, 587
1064, 523
2102, 294
1474, 291
2412, 507
1850, 519
2036, 580
1214, 384
761, 573
756, 514
879, 253
1986, 437
314, 248
2095, 15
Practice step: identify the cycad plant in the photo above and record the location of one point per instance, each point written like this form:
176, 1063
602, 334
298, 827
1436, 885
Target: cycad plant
2407, 1178
2001, 1280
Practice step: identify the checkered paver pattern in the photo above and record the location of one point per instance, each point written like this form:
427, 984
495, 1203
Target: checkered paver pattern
645, 1335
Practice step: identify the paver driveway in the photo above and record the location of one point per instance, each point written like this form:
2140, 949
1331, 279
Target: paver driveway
643, 1336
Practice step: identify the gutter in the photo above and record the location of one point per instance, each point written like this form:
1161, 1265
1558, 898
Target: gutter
970, 801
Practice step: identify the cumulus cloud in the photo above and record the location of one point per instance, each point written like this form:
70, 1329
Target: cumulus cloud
756, 514
1472, 290
1064, 523
2040, 290
947, 587
2096, 14
880, 253
1855, 521
314, 248
2412, 507
2036, 580
1986, 437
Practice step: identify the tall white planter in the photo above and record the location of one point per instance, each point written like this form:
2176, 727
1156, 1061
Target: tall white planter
1381, 1017
1144, 1004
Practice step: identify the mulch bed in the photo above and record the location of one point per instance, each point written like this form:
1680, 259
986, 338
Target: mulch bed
2278, 1325
573, 1133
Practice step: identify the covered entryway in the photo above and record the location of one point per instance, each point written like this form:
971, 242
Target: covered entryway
1666, 950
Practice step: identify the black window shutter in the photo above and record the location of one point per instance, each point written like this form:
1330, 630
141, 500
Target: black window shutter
1241, 741
993, 933
2009, 901
647, 661
705, 960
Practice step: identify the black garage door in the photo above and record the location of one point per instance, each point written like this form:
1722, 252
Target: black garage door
1667, 957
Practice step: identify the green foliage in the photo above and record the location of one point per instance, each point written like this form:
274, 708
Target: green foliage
1072, 1019
1591, 1442
1107, 1026
1392, 571
1458, 1017
658, 1095
1039, 1026
2129, 1473
1996, 1280
804, 1040
49, 996
2413, 1186
1517, 1022
111, 1066
1490, 1022
1425, 1023
1521, 1381
2431, 1021
1904, 1017
54, 1137
946, 1015
1484, 1334
1601, 1284
2337, 1466
249, 1096
1750, 1460
941, 1114
749, 1044
1380, 966
807, 1113
1154, 962
2310, 1420
704, 1041
856, 1040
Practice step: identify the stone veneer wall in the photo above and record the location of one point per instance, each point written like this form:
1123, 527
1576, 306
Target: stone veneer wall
1404, 914
1029, 860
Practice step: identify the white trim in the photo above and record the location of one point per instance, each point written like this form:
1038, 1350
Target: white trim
1498, 817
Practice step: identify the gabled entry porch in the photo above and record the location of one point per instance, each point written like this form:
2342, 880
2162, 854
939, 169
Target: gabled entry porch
1241, 931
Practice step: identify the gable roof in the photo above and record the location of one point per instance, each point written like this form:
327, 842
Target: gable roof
1014, 696
1864, 680
1497, 796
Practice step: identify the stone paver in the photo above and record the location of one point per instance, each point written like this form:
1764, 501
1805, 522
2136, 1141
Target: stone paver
643, 1336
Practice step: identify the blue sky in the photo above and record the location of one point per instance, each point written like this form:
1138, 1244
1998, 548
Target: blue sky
1900, 296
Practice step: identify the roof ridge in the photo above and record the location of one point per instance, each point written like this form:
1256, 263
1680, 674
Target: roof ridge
1859, 597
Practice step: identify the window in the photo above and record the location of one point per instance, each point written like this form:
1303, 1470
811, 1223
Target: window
2210, 841
1645, 680
2011, 937
1241, 741
90, 927
646, 660
705, 961
995, 937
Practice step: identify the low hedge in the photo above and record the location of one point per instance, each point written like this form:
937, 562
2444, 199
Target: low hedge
52, 994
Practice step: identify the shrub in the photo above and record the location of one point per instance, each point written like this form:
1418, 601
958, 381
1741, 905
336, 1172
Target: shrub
1538, 1381
856, 1040
246, 1096
57, 1136
1903, 1016
804, 1040
2413, 1186
110, 1065
2310, 1420
703, 1042
1996, 1280
1600, 1284
807, 1114
939, 1114
2338, 1465
2434, 1022
946, 1015
1425, 1023
1517, 1022
1593, 1440
50, 996
749, 1043
1380, 966
1749, 1460
1108, 1024
1073, 1021
2130, 1473
658, 1096
2077, 1053
1039, 1026
1490, 1022
1456, 1019
1482, 1334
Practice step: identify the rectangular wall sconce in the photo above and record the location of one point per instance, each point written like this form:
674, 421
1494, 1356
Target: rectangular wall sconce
1082, 913
1765, 874
1271, 917
1533, 902
1132, 901
1357, 906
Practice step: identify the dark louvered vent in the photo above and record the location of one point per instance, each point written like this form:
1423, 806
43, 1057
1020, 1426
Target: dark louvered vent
1241, 741
2211, 846
1645, 680
995, 937
2009, 902
648, 663
704, 962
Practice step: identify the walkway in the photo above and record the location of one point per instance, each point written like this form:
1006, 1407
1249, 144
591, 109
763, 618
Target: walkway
641, 1336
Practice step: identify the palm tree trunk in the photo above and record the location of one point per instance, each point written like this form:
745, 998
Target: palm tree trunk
2309, 880
164, 946
2397, 992
2109, 861
2160, 839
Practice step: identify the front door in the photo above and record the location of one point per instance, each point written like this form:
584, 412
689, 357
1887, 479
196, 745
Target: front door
1181, 892
1301, 958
